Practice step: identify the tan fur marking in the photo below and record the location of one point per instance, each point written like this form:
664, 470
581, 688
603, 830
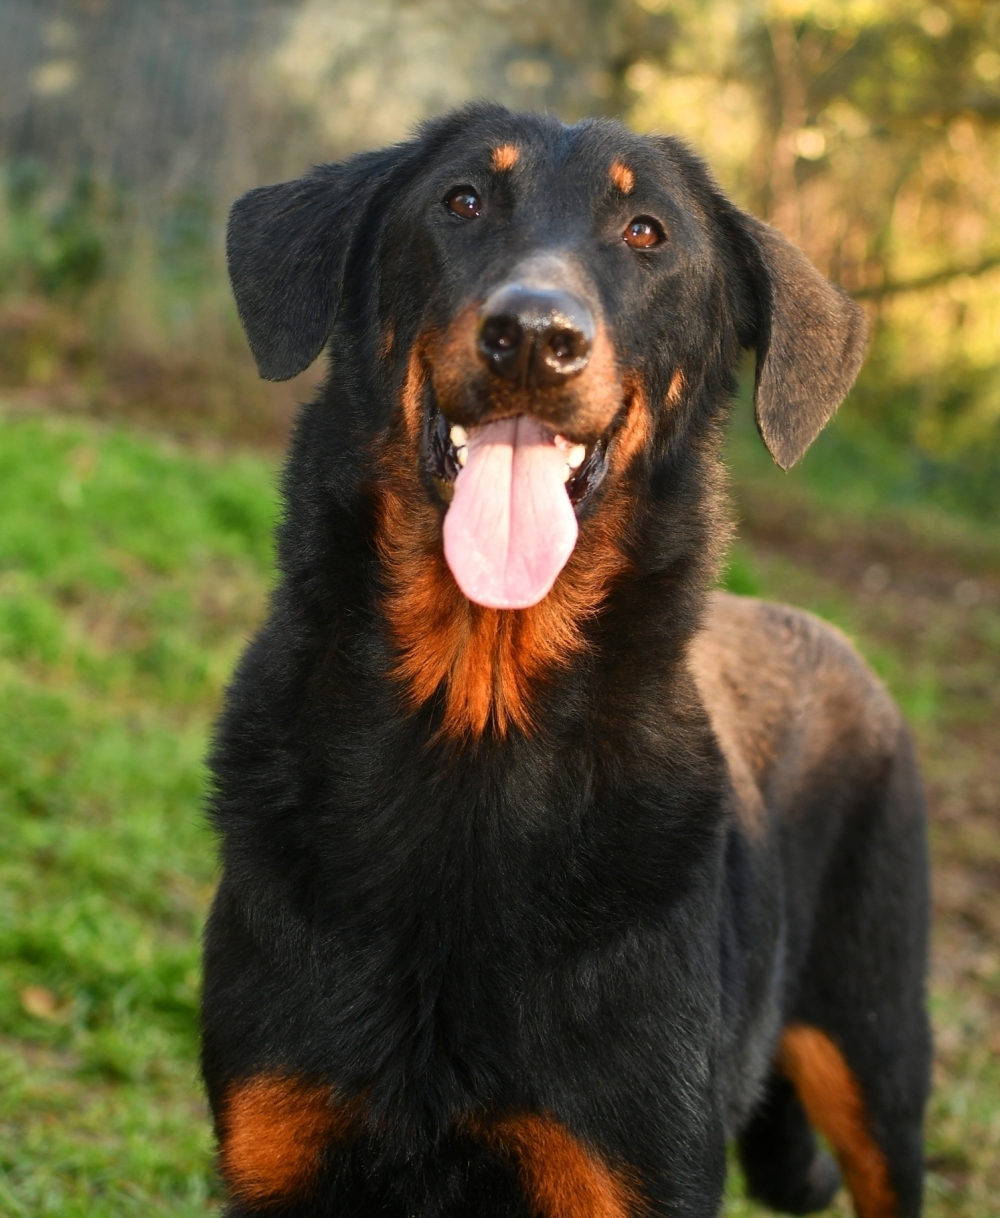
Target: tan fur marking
832, 1098
486, 662
274, 1130
622, 176
505, 156
561, 1177
675, 390
412, 395
387, 342
637, 430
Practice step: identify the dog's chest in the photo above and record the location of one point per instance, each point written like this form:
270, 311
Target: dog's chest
498, 920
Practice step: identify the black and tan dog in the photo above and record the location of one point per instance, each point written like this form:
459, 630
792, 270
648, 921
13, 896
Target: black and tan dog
546, 871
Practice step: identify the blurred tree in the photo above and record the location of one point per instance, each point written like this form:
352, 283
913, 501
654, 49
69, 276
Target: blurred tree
867, 130
870, 134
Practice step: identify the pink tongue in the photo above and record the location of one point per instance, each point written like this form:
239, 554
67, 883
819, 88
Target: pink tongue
510, 527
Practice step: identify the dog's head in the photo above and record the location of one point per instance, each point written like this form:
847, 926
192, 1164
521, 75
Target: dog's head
533, 317
544, 277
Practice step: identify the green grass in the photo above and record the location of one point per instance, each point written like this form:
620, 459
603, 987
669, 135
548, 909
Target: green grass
131, 573
130, 576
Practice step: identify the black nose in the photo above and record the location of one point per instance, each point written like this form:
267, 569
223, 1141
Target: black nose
535, 336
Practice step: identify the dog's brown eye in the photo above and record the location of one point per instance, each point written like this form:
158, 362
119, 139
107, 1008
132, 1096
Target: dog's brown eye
643, 233
464, 202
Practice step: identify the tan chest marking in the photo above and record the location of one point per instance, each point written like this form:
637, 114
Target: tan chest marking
487, 663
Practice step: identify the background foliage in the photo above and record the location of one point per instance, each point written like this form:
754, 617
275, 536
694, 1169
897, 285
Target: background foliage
867, 130
138, 449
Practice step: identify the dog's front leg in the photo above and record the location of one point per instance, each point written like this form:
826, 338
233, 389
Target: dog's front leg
623, 1042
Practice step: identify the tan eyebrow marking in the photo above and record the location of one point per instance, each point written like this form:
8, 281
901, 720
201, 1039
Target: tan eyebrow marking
622, 176
505, 156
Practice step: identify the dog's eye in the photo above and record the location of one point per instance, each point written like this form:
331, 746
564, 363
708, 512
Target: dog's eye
464, 202
643, 233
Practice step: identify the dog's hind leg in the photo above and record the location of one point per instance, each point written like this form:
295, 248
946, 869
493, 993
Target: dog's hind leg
857, 1043
785, 1168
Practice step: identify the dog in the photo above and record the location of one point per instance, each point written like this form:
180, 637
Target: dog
548, 872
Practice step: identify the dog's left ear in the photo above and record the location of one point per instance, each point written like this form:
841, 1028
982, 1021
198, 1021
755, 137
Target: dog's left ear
809, 336
287, 247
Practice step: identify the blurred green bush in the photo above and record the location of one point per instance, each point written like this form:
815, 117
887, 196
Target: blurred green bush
108, 311
56, 250
869, 132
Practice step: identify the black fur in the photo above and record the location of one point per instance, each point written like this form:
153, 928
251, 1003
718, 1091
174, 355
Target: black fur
574, 920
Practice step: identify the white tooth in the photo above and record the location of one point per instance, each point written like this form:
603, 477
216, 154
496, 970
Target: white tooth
459, 435
463, 455
576, 455
566, 473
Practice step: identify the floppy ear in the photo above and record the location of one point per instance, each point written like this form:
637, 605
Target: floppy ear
287, 248
810, 341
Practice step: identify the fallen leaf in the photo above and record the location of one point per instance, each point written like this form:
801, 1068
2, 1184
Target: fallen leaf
40, 1002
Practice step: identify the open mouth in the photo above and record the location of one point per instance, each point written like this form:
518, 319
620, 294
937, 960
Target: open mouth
514, 490
447, 453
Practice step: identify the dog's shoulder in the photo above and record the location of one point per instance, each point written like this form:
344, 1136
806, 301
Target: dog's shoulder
787, 695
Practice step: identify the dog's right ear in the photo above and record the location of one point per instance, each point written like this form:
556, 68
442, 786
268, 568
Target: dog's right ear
287, 248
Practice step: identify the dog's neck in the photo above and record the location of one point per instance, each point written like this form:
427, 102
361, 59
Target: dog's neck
485, 664
628, 600
489, 668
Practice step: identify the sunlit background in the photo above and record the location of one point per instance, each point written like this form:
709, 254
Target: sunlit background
138, 451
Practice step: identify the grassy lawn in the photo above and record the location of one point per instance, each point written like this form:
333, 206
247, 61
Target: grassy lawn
132, 571
130, 576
